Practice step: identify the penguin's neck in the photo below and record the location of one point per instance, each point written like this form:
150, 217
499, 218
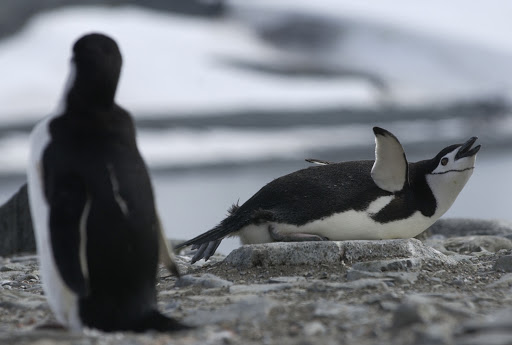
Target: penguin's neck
446, 188
85, 97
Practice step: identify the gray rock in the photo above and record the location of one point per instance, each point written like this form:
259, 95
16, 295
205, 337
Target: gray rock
285, 253
331, 309
16, 225
504, 281
495, 329
504, 264
412, 312
453, 227
250, 309
328, 252
205, 281
474, 244
356, 251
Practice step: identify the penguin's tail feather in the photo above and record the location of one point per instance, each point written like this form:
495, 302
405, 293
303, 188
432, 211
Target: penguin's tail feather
156, 321
208, 242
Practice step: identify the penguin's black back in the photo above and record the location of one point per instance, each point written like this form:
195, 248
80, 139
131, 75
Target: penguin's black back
84, 156
321, 191
316, 192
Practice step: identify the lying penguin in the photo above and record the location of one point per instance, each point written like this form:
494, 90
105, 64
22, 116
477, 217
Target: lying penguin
360, 200
98, 234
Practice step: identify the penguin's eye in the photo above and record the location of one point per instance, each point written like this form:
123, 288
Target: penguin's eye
444, 161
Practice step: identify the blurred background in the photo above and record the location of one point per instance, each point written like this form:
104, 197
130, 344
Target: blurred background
228, 95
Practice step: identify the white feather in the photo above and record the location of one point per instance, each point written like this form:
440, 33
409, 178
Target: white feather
389, 172
62, 300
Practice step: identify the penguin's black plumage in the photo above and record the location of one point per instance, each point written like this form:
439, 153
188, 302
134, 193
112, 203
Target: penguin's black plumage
384, 198
92, 202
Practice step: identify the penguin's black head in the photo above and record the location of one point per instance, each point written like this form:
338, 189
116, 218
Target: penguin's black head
97, 62
448, 172
455, 158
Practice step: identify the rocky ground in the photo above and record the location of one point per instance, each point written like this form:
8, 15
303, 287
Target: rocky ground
452, 286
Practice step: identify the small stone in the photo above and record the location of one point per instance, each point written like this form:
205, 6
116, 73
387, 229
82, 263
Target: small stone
314, 328
504, 264
205, 281
249, 309
410, 313
258, 288
402, 277
388, 265
12, 267
288, 280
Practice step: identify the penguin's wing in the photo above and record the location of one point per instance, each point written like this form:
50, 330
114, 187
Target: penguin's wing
165, 252
318, 161
69, 209
390, 170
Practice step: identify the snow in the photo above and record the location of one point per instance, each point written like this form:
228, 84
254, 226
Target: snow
169, 66
484, 23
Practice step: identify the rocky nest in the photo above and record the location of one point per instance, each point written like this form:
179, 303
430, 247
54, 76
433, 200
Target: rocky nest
451, 286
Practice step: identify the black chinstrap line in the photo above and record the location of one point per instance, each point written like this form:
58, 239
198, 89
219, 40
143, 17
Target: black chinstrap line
455, 170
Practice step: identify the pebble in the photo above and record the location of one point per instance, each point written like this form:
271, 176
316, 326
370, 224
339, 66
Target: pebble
259, 288
205, 281
314, 328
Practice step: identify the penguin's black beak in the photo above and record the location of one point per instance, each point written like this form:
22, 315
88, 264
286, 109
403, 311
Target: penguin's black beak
466, 150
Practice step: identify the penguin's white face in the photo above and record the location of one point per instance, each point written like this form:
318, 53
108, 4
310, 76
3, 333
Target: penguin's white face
448, 164
453, 167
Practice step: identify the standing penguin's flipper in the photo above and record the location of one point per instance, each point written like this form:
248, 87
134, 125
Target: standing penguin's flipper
69, 210
318, 161
294, 237
390, 171
166, 255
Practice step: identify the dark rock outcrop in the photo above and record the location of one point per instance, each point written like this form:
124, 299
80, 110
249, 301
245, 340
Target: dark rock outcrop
16, 234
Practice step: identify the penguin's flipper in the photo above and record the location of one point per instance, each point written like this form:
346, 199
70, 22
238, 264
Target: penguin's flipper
390, 171
166, 254
69, 210
318, 161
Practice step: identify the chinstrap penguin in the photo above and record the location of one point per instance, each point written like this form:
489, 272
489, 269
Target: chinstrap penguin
358, 200
98, 235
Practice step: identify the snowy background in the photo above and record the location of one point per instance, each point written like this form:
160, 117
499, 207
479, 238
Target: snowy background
225, 104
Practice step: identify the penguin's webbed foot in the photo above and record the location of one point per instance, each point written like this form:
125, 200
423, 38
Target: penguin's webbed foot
294, 237
205, 250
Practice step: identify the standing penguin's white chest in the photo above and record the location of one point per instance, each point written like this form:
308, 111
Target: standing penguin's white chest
348, 225
61, 299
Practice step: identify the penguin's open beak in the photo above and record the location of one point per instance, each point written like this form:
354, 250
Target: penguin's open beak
466, 150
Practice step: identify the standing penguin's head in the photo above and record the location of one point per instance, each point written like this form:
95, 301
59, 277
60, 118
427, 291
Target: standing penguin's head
96, 66
449, 171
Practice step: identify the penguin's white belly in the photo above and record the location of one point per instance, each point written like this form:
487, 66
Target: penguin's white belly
61, 299
348, 225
